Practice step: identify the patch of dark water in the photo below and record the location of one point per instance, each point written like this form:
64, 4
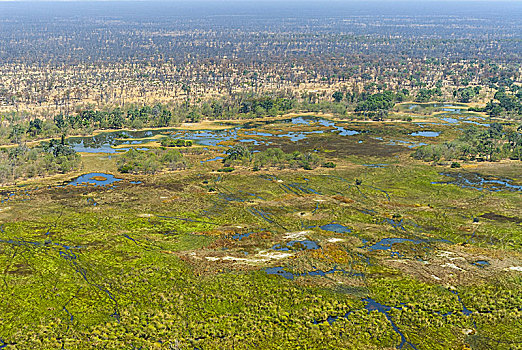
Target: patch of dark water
426, 133
337, 228
387, 243
108, 142
22, 193
255, 142
453, 110
102, 143
94, 179
481, 263
300, 120
296, 245
240, 236
450, 120
259, 133
479, 182
3, 344
290, 276
298, 136
208, 137
342, 131
280, 272
9, 197
372, 305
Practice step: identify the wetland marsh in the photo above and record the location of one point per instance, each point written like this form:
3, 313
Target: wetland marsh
380, 251
201, 175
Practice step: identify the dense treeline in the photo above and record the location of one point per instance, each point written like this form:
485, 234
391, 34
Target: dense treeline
509, 103
378, 105
365, 104
493, 144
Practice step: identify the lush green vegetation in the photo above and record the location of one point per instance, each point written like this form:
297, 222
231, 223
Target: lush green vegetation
170, 142
22, 162
493, 144
507, 103
425, 95
378, 105
150, 162
466, 95
272, 157
132, 271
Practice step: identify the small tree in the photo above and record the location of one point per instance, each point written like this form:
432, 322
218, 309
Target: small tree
338, 96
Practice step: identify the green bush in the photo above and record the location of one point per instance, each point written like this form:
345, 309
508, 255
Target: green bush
455, 165
227, 169
329, 165
170, 142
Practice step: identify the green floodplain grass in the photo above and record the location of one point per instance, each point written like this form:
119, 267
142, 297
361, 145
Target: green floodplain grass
155, 265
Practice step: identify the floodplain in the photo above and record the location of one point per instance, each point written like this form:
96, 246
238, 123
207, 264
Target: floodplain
375, 250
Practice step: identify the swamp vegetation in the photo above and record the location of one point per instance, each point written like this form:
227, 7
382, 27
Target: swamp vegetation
159, 249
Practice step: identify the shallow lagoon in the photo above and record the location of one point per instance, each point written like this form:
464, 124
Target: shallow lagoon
94, 179
114, 141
